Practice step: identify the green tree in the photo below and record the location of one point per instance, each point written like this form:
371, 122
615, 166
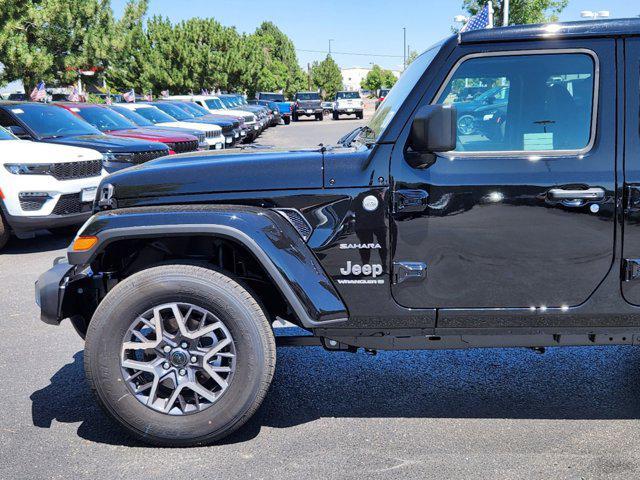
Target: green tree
326, 77
50, 39
520, 11
378, 78
411, 56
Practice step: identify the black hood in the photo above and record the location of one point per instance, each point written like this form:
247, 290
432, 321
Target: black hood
201, 173
107, 143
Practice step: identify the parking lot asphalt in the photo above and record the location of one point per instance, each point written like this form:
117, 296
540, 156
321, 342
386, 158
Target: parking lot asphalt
500, 414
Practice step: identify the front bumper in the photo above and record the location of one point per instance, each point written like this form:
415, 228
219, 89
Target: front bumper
23, 226
50, 290
348, 110
309, 111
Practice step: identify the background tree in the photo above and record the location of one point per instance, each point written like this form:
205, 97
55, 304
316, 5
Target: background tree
411, 56
378, 78
326, 77
49, 39
520, 11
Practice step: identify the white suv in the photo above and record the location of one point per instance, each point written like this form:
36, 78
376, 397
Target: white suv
214, 105
213, 133
45, 186
348, 103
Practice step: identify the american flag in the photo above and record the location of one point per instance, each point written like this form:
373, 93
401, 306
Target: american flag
74, 96
482, 19
204, 92
130, 96
107, 100
39, 93
148, 97
164, 93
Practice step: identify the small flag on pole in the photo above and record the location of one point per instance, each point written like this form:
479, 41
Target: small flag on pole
107, 100
164, 93
39, 93
74, 96
205, 92
130, 96
482, 19
148, 97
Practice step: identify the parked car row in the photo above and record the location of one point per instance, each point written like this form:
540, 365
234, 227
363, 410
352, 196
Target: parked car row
53, 155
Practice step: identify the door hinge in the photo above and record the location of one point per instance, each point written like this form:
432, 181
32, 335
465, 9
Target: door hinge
630, 269
414, 271
409, 200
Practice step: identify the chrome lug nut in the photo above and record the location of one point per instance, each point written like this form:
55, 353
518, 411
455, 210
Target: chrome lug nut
182, 371
194, 359
165, 365
184, 345
166, 349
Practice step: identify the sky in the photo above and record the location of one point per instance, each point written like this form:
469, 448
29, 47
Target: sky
372, 27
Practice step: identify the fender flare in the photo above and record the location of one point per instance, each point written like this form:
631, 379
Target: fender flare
274, 242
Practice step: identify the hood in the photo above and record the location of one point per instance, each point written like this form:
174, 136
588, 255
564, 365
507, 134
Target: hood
24, 151
200, 127
203, 173
107, 143
151, 134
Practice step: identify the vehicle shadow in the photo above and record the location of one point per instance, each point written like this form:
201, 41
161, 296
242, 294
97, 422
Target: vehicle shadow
568, 383
40, 243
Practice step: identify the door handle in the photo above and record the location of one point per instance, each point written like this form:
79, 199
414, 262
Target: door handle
594, 193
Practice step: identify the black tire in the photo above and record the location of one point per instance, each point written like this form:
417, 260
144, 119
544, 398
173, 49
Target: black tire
287, 120
319, 117
336, 116
5, 232
294, 117
246, 321
360, 115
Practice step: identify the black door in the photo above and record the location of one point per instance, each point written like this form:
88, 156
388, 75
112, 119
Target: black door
520, 215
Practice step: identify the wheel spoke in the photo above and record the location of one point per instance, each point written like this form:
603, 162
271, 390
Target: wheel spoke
152, 364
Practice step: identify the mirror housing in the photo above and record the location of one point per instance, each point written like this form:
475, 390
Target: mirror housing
434, 129
18, 131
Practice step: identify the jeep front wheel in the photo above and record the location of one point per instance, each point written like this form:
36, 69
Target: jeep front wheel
179, 355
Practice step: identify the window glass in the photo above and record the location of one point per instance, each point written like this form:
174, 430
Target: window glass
104, 119
523, 102
214, 104
347, 95
5, 135
133, 116
154, 115
308, 96
174, 111
48, 121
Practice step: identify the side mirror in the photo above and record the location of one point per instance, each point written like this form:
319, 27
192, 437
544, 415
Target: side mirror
434, 129
18, 131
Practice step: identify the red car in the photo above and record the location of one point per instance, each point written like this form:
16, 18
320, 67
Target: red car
381, 96
109, 122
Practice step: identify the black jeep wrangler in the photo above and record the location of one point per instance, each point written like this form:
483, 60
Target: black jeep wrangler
408, 235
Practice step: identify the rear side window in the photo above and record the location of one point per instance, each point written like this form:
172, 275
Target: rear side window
523, 102
347, 95
308, 96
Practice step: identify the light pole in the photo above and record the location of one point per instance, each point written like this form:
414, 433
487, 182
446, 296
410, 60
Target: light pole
330, 40
505, 13
404, 49
595, 15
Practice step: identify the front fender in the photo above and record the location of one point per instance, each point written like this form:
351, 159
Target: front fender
272, 240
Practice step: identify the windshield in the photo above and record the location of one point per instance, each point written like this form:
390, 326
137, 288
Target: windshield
350, 95
228, 102
174, 111
214, 104
308, 96
154, 115
132, 116
384, 92
48, 121
276, 97
398, 94
194, 109
104, 119
5, 135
